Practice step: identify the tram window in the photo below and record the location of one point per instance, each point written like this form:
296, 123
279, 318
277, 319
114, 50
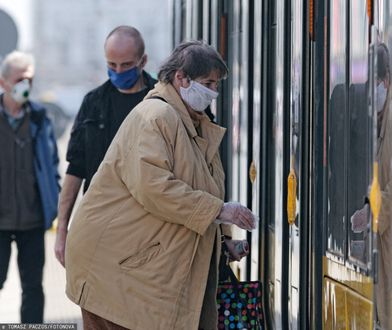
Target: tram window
336, 226
272, 131
273, 11
183, 20
206, 24
358, 175
296, 95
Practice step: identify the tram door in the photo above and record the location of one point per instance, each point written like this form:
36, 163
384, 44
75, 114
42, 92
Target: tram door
240, 111
275, 155
256, 174
297, 201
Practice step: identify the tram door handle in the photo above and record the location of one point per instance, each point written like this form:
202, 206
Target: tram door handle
291, 196
252, 172
375, 197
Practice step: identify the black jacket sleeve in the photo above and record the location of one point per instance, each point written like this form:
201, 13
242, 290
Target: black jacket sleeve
76, 152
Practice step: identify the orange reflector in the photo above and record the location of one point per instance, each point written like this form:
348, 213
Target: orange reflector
291, 194
369, 10
311, 19
252, 172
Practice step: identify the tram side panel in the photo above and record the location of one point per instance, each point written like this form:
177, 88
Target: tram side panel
347, 268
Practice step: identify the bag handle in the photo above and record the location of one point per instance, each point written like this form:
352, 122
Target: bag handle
225, 269
157, 98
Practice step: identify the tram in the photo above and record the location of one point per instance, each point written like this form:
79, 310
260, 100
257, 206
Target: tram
307, 109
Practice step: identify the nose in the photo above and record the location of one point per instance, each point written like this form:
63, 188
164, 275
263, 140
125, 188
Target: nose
116, 68
120, 69
213, 86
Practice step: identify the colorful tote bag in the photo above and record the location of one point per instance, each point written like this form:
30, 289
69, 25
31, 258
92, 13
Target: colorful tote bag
239, 303
239, 306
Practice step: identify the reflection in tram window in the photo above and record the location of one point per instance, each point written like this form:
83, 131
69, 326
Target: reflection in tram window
358, 174
336, 227
336, 175
384, 155
359, 155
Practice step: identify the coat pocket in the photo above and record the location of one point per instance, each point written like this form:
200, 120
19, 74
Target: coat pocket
141, 257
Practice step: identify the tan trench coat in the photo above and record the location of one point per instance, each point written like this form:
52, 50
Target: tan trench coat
140, 245
384, 157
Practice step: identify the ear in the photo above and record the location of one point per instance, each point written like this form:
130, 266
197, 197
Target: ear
179, 79
180, 75
144, 61
2, 83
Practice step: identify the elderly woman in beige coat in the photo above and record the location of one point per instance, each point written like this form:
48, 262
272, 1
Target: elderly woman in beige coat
143, 248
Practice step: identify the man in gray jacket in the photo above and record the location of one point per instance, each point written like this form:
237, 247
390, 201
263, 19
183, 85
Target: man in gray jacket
28, 181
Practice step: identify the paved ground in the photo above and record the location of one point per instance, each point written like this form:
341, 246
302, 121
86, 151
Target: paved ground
58, 309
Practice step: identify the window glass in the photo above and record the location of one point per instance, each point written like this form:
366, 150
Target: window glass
359, 136
296, 89
336, 225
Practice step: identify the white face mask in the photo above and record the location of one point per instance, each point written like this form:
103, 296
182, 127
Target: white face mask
198, 96
21, 91
381, 96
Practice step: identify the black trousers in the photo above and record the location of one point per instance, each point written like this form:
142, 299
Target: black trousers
31, 259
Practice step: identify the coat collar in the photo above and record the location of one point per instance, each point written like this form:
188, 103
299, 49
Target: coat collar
212, 134
169, 93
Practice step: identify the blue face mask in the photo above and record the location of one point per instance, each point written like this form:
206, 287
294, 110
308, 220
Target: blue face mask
126, 79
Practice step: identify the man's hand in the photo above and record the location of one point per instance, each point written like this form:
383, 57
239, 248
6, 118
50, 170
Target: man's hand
59, 245
68, 195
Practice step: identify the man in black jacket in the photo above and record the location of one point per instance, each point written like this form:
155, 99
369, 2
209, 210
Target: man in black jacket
100, 115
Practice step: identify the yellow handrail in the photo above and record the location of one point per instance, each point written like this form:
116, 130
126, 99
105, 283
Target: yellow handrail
375, 197
291, 194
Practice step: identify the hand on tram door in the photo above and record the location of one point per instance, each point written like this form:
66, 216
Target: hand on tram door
237, 214
359, 220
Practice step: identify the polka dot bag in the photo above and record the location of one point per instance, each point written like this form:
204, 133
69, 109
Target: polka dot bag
239, 304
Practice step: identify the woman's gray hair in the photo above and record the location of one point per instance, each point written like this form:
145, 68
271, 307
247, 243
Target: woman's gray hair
196, 59
15, 59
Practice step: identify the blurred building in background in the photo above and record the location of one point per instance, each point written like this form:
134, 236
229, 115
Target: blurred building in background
67, 39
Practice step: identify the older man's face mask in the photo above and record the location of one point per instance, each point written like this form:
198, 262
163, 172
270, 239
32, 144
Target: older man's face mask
21, 91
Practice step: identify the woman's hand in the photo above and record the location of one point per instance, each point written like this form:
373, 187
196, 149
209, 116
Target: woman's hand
237, 214
237, 249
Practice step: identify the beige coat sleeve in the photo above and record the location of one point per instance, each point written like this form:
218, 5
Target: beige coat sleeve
149, 177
